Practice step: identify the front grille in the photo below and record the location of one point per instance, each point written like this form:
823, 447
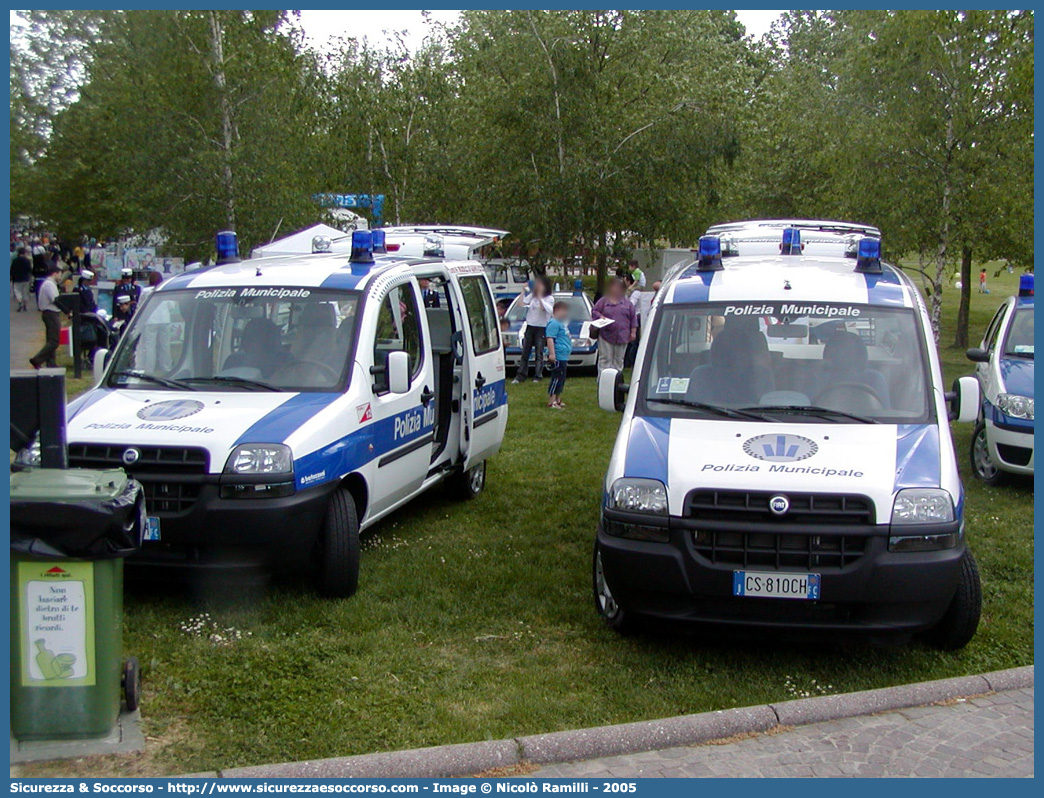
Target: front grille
807, 509
779, 550
735, 527
158, 469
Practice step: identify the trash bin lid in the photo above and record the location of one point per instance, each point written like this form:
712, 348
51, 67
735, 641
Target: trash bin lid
68, 485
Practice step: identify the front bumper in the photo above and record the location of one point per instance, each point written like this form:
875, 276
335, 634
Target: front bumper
275, 533
579, 358
1010, 446
881, 591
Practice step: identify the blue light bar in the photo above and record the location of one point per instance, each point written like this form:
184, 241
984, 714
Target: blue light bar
578, 288
378, 237
868, 256
1026, 285
227, 247
710, 254
362, 251
791, 242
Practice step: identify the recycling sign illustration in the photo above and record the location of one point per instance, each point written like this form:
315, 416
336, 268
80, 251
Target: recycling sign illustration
57, 624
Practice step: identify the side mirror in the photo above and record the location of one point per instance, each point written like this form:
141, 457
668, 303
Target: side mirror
101, 360
398, 372
612, 393
965, 400
977, 355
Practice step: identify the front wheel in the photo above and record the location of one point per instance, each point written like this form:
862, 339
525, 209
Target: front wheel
958, 625
615, 616
469, 484
982, 464
339, 548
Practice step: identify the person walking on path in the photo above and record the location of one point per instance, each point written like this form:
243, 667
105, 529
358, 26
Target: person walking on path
51, 315
21, 279
559, 348
614, 338
539, 304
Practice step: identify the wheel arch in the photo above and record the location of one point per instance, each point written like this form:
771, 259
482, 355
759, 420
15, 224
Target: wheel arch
356, 485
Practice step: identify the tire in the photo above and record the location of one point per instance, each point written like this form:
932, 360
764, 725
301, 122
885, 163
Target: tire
958, 625
468, 484
616, 617
132, 684
983, 467
339, 549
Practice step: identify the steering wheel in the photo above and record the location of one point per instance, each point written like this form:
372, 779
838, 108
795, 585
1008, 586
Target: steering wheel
302, 372
868, 391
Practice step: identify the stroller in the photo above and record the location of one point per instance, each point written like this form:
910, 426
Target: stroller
95, 333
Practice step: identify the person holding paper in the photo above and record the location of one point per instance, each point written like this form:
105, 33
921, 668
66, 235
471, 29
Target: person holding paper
614, 337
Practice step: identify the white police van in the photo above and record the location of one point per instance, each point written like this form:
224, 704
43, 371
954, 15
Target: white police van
784, 457
1002, 442
274, 408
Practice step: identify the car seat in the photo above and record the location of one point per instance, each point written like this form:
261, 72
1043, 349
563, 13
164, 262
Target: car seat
845, 358
260, 348
738, 373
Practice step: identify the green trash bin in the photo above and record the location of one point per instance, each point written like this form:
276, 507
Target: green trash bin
70, 530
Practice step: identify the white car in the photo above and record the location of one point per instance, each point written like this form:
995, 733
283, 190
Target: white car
585, 348
1002, 442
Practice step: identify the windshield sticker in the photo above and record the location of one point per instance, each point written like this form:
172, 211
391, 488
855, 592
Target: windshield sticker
672, 385
1023, 349
254, 293
818, 310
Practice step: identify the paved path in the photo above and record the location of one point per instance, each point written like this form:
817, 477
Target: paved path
27, 334
987, 736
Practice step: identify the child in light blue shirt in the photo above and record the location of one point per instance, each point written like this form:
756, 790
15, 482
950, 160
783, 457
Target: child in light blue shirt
559, 348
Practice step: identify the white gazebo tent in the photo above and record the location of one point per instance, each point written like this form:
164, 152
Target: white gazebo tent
299, 243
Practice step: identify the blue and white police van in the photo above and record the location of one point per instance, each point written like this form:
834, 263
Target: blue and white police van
274, 408
784, 458
1002, 442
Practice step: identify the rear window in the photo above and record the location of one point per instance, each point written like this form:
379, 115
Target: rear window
482, 316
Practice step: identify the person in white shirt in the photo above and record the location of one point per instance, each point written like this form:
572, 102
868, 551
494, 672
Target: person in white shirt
52, 319
540, 307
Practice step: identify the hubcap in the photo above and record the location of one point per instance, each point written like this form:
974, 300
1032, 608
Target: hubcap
478, 477
983, 464
606, 602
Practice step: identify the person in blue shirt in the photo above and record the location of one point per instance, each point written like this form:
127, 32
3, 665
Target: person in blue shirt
559, 347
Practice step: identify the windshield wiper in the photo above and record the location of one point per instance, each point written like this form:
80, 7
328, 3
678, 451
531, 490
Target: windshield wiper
719, 410
811, 410
141, 375
238, 380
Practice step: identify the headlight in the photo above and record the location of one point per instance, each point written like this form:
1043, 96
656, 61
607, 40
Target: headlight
30, 455
638, 496
1016, 406
260, 458
922, 506
582, 342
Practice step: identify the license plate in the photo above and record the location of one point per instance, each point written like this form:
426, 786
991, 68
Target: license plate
152, 528
773, 584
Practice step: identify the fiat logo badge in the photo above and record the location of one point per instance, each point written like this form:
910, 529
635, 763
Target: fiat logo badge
131, 456
779, 505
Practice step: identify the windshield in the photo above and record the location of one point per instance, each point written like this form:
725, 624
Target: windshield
503, 273
856, 362
239, 339
1020, 335
578, 308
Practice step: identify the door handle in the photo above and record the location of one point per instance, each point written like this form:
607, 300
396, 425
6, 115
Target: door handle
426, 395
480, 381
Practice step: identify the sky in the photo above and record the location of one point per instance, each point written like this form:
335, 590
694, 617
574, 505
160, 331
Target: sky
321, 26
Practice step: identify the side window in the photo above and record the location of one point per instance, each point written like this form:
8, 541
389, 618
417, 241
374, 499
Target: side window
994, 328
397, 331
482, 316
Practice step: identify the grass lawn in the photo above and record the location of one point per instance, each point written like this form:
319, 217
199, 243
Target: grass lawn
475, 621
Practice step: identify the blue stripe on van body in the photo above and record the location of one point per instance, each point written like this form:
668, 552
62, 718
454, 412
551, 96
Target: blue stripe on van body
917, 460
695, 289
885, 289
647, 448
358, 448
343, 279
278, 424
492, 396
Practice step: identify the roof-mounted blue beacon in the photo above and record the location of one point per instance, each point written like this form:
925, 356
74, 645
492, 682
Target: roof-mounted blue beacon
362, 251
378, 239
868, 256
1026, 285
709, 254
791, 242
227, 246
